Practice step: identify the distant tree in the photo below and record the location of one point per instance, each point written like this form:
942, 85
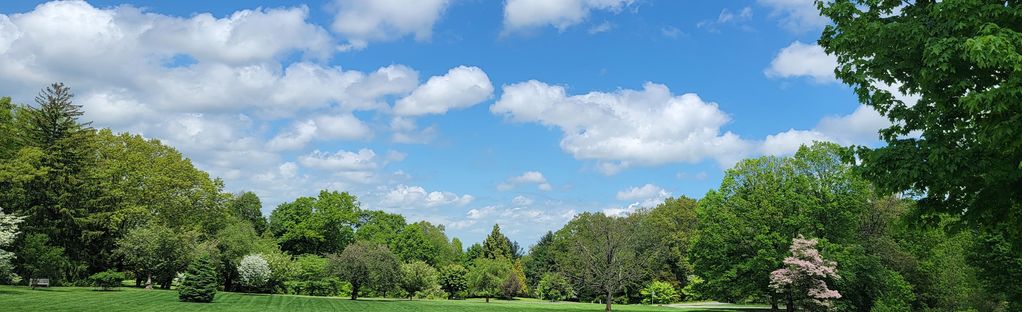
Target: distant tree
802, 280
658, 292
540, 260
497, 245
664, 236
233, 242
39, 259
254, 272
200, 281
141, 251
366, 265
424, 241
453, 280
475, 251
417, 276
554, 287
486, 275
320, 225
379, 227
600, 254
246, 206
514, 283
8, 231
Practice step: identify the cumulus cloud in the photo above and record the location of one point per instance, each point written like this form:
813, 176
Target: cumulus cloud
403, 196
340, 161
799, 59
526, 14
461, 87
362, 21
648, 195
651, 126
797, 16
528, 177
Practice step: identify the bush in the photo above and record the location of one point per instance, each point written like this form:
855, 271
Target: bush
691, 289
107, 280
554, 287
200, 282
254, 272
453, 281
326, 287
417, 276
659, 292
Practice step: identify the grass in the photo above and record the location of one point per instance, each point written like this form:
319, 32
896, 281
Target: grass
137, 300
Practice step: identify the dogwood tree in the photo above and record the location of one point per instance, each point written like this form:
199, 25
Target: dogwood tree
8, 230
803, 278
254, 271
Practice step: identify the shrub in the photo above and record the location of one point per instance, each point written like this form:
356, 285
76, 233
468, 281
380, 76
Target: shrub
659, 292
254, 272
691, 289
453, 281
554, 287
107, 280
417, 276
200, 282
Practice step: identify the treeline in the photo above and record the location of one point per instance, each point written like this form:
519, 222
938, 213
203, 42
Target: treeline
78, 202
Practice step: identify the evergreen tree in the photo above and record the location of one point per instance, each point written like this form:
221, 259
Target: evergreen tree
497, 245
200, 282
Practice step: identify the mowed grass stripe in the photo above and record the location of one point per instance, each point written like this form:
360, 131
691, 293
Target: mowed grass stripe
136, 300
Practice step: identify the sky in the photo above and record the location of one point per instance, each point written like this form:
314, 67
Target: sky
464, 113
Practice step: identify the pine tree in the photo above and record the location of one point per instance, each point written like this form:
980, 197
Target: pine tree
496, 245
200, 282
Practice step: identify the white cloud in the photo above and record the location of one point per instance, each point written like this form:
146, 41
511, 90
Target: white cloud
788, 142
528, 177
642, 192
601, 27
796, 15
362, 21
725, 17
341, 161
299, 135
799, 59
525, 14
403, 196
461, 87
648, 127
521, 201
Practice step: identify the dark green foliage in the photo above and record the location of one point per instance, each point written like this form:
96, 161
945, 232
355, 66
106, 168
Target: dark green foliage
200, 281
600, 255
540, 260
452, 279
664, 237
486, 275
39, 259
554, 287
246, 206
365, 265
319, 225
107, 280
475, 251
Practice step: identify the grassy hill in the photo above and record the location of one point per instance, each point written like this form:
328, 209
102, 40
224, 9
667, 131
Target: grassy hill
138, 300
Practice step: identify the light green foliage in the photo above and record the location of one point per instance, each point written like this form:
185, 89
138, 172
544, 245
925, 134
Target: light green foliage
554, 287
486, 275
423, 241
107, 280
200, 281
154, 252
475, 251
658, 292
497, 245
746, 225
254, 272
379, 227
319, 225
514, 283
417, 276
691, 289
234, 242
453, 281
664, 237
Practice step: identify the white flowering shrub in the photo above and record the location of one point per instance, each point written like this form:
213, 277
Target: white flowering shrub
254, 272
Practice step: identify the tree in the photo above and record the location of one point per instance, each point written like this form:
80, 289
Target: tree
664, 236
320, 225
600, 253
541, 259
423, 241
474, 252
956, 146
141, 251
200, 282
39, 259
254, 272
486, 275
746, 225
417, 276
658, 292
452, 280
246, 206
8, 231
233, 242
379, 227
497, 245
365, 265
554, 287
514, 283
802, 280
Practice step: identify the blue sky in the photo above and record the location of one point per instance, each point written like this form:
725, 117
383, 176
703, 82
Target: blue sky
463, 113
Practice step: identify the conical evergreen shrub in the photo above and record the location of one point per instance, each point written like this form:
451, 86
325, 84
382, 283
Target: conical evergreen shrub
200, 282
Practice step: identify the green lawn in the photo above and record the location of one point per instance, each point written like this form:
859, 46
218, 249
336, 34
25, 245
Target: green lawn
132, 299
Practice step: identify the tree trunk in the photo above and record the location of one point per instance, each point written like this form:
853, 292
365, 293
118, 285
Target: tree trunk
790, 304
487, 299
354, 291
149, 281
610, 300
773, 304
138, 280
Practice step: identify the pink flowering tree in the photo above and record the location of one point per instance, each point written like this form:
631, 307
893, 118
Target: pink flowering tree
803, 278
